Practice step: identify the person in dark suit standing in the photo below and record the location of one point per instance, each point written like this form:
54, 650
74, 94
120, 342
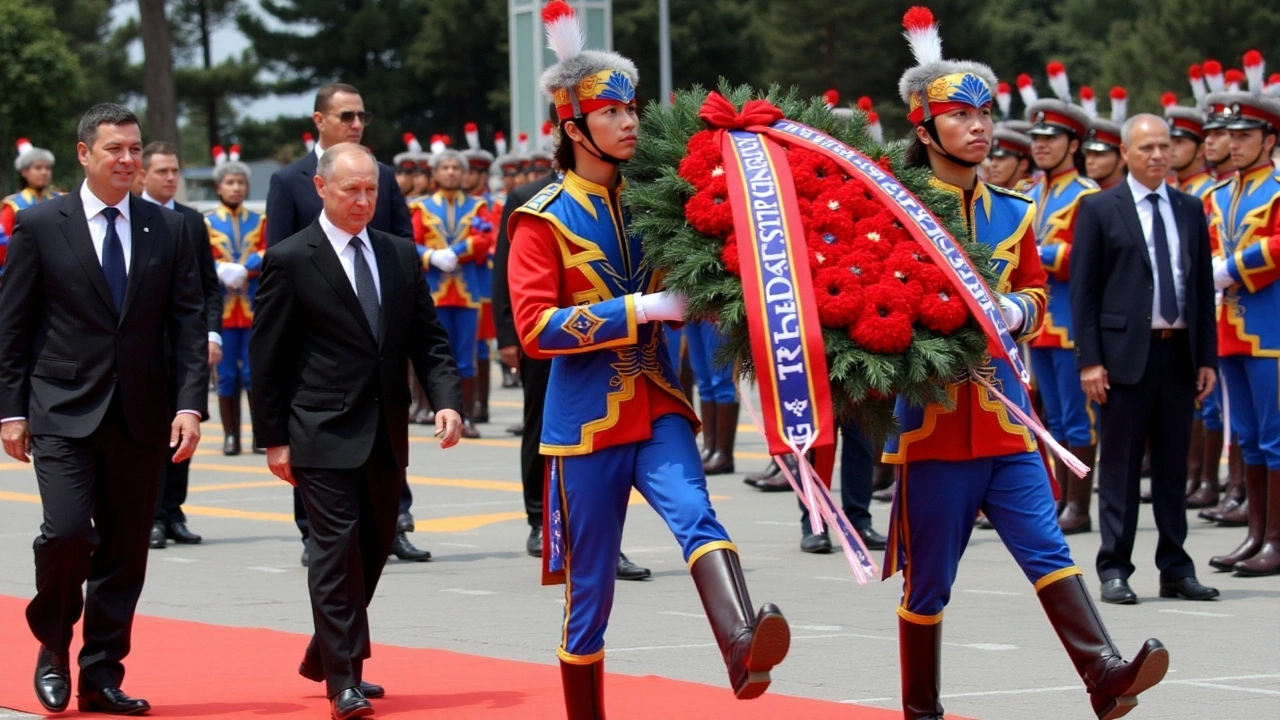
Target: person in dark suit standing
98, 282
161, 172
292, 205
1143, 306
342, 309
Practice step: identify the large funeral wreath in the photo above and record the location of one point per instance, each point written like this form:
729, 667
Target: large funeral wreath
893, 324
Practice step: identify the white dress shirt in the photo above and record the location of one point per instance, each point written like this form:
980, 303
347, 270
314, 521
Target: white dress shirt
214, 337
1143, 206
341, 241
93, 208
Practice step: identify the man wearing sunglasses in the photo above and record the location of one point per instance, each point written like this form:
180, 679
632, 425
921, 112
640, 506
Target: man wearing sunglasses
293, 205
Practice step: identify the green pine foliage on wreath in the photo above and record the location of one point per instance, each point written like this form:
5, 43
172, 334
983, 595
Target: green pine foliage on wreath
863, 384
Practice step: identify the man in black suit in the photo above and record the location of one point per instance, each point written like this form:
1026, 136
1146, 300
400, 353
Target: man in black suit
161, 172
534, 376
342, 308
1146, 345
98, 282
292, 205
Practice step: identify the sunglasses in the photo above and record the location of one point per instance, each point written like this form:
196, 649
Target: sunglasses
349, 116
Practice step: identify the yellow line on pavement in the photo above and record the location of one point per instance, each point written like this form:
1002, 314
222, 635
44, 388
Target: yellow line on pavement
19, 497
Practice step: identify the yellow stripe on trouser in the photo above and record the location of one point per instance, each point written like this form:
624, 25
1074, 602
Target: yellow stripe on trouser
904, 536
568, 576
1055, 576
916, 619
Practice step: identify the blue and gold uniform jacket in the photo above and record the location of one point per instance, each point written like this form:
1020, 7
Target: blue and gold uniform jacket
460, 223
1199, 184
979, 425
1057, 198
1244, 228
238, 236
574, 272
9, 208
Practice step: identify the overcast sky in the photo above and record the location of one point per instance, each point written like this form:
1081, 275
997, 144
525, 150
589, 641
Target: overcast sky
229, 42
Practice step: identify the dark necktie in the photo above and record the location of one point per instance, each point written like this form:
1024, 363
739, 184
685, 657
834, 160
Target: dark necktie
1164, 266
113, 259
366, 291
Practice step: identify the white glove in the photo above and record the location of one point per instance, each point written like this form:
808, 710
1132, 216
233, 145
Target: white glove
446, 260
1221, 274
232, 275
1011, 311
665, 306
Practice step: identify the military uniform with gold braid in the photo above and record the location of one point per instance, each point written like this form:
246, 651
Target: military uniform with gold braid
28, 155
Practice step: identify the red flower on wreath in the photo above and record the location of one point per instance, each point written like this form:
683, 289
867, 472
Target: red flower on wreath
825, 252
885, 324
839, 298
812, 173
864, 266
941, 308
729, 256
709, 211
874, 235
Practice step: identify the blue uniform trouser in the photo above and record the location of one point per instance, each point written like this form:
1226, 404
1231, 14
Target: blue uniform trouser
233, 369
715, 380
933, 517
675, 344
1211, 409
1069, 416
1253, 388
462, 325
667, 471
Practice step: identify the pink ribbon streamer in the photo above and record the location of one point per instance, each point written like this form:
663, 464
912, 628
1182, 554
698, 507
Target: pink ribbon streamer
1073, 463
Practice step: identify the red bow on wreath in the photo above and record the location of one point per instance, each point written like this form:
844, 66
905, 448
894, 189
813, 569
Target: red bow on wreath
718, 112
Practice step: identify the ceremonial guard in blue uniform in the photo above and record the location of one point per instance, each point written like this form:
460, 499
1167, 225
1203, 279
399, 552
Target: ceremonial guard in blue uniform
1058, 131
1244, 218
35, 173
971, 454
615, 416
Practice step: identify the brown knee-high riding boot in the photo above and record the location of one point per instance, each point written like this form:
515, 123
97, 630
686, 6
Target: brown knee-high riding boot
920, 656
229, 409
1195, 456
1063, 477
1206, 493
1255, 477
721, 461
1079, 493
253, 436
1267, 559
1233, 491
707, 413
468, 402
583, 690
1113, 684
480, 413
752, 643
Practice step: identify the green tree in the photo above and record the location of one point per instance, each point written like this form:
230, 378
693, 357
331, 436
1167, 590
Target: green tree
45, 89
204, 88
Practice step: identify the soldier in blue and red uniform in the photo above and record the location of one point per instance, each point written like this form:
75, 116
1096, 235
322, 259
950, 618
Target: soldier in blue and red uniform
452, 231
476, 184
975, 455
237, 236
1244, 224
615, 416
1058, 132
35, 173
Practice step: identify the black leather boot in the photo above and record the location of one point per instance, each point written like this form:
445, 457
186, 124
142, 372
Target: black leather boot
1079, 494
707, 414
469, 430
920, 654
751, 643
721, 461
583, 690
1255, 477
1113, 683
480, 411
227, 408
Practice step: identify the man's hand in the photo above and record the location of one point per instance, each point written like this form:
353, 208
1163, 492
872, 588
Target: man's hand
16, 435
278, 463
215, 354
1094, 382
510, 356
1204, 383
448, 427
184, 435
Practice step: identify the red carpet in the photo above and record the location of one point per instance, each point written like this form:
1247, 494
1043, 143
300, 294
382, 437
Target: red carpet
249, 673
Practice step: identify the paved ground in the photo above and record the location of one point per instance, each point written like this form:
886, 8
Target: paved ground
481, 594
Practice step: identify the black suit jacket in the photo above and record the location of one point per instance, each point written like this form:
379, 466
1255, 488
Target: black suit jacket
199, 233
1112, 280
292, 202
320, 374
503, 316
64, 350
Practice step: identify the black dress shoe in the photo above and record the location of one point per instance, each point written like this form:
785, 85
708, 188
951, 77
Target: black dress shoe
404, 523
404, 550
179, 533
533, 545
517, 429
111, 701
815, 543
53, 680
1117, 592
350, 703
306, 554
368, 689
157, 537
1187, 588
628, 570
872, 539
